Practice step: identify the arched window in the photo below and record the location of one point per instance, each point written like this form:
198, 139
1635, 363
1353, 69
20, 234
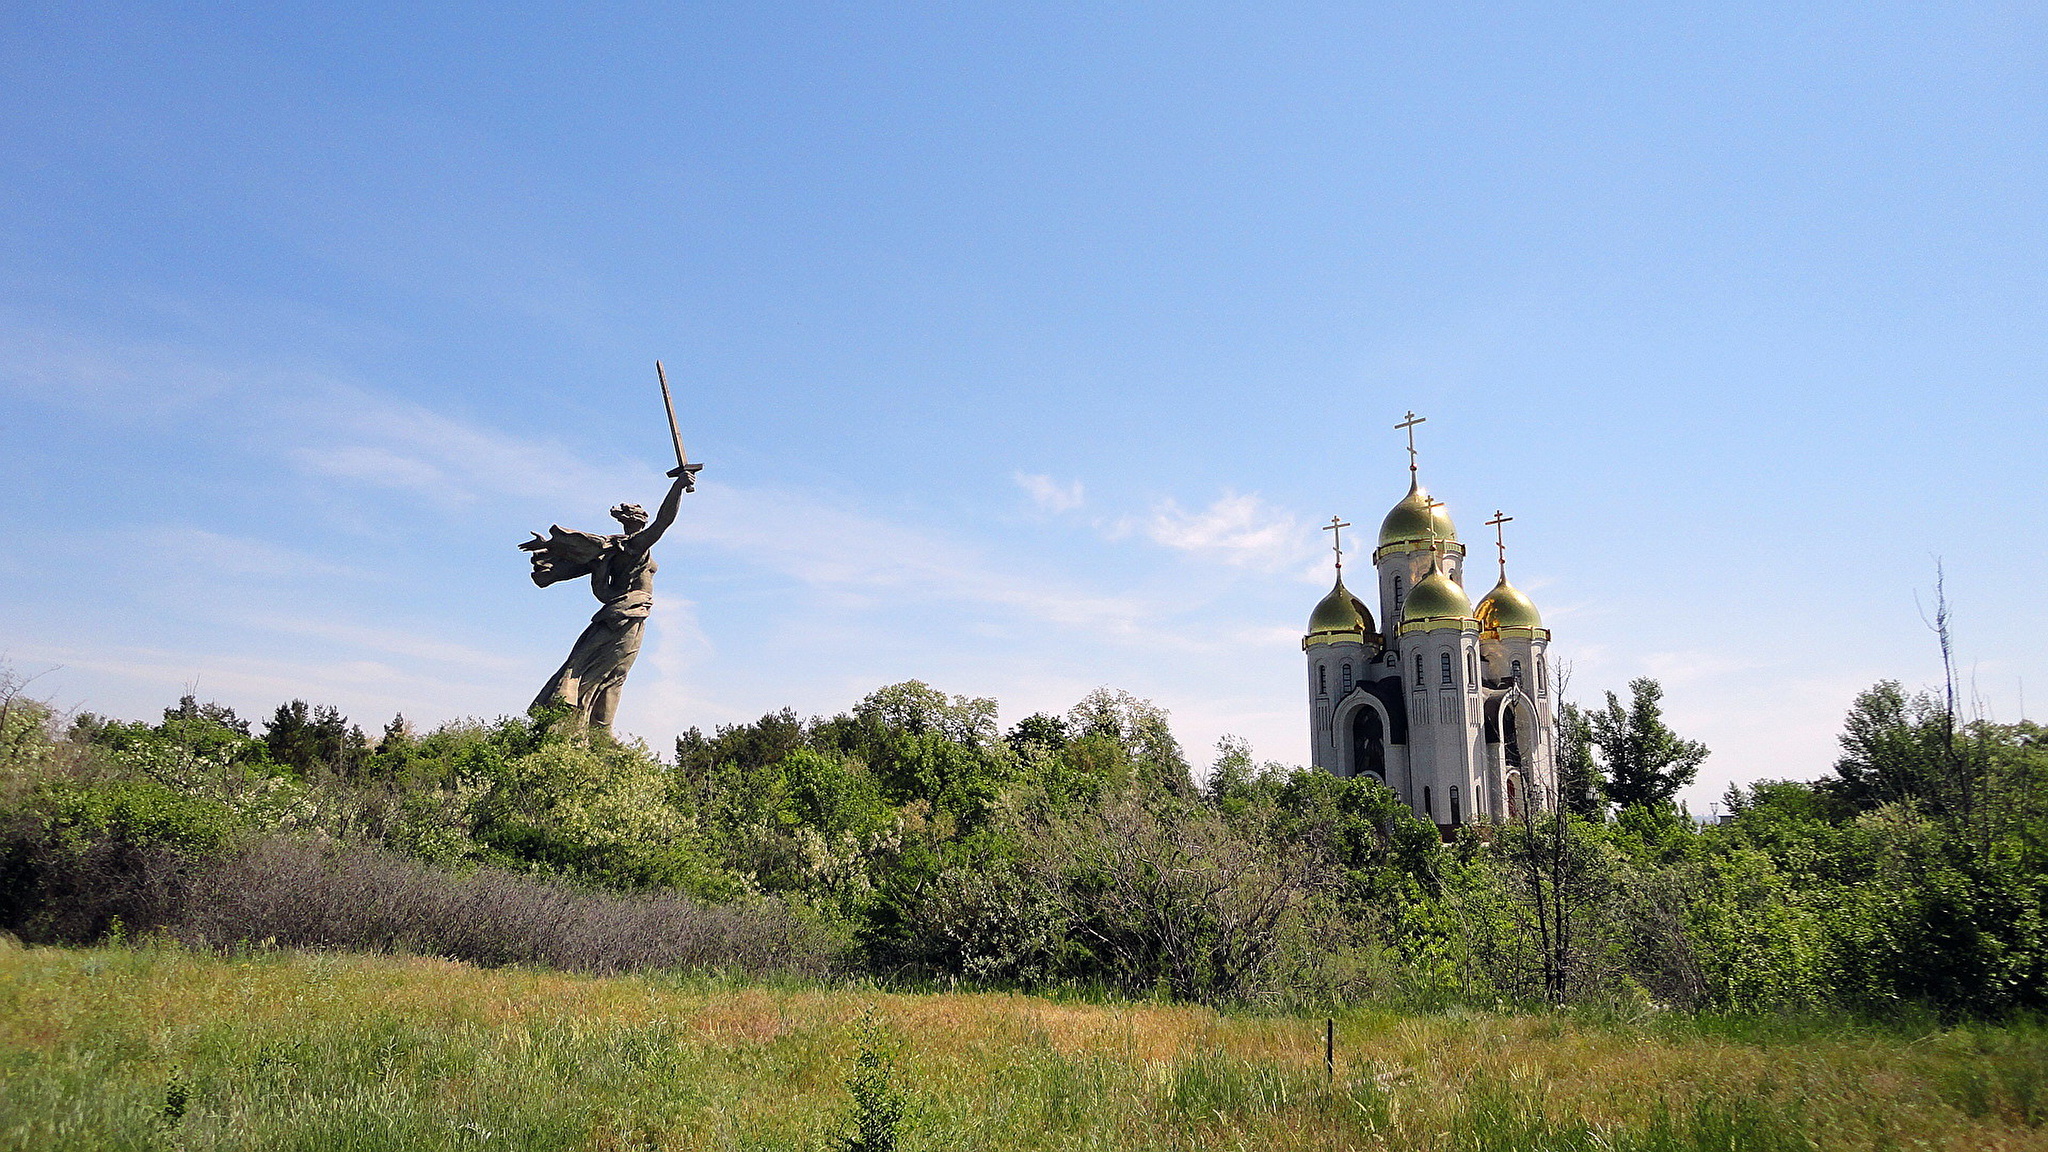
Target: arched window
1457, 817
1542, 677
1514, 795
1471, 671
1322, 679
1397, 597
1515, 670
1347, 675
1444, 658
1418, 669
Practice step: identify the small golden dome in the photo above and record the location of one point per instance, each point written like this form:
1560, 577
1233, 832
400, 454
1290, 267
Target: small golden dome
1340, 611
1507, 607
1415, 519
1436, 597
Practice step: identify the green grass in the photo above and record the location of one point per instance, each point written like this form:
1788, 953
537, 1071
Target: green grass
160, 1048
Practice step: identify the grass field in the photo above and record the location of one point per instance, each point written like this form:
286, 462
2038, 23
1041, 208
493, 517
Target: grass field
162, 1048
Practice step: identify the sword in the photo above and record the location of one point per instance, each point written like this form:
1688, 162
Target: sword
685, 471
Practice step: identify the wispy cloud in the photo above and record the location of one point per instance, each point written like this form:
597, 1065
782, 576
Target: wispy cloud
821, 541
1048, 494
394, 642
135, 381
1242, 530
836, 547
190, 551
379, 440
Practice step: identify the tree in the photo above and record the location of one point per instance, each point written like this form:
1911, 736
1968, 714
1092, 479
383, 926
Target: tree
1646, 762
304, 738
1892, 748
1140, 728
1038, 729
922, 710
1579, 781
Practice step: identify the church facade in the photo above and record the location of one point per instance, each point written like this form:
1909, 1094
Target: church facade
1451, 703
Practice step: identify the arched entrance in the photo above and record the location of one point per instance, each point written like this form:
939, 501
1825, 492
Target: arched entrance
1368, 745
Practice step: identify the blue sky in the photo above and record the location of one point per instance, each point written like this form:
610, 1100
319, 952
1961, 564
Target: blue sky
1027, 345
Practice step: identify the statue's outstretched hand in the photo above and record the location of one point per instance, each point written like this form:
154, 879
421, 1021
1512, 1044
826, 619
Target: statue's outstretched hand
687, 473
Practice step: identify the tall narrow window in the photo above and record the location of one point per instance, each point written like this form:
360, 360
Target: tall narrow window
1457, 817
1444, 659
1542, 677
1322, 679
1347, 676
1515, 670
1471, 671
1397, 598
1428, 809
1418, 669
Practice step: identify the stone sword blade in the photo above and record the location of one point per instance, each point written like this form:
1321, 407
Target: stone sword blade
675, 432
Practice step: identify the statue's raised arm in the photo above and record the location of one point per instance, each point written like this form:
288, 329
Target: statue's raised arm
685, 481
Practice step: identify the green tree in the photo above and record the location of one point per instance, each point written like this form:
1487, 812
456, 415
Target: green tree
1646, 763
922, 710
308, 738
1579, 780
1893, 748
1141, 730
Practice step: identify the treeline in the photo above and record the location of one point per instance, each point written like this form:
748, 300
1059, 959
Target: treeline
914, 838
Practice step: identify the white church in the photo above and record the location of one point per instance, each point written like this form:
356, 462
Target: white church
1450, 705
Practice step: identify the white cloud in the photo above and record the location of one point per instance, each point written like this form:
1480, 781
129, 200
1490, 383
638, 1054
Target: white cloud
397, 444
838, 549
1048, 494
1238, 529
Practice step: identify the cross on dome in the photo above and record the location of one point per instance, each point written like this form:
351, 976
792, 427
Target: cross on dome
1409, 425
1500, 539
1336, 526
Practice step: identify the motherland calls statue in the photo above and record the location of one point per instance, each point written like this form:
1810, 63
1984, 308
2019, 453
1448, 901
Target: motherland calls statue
621, 575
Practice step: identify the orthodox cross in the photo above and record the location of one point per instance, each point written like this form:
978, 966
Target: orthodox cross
1336, 526
1409, 425
1429, 506
1500, 539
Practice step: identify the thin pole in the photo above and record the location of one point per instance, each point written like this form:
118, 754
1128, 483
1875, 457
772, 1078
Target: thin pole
1330, 1048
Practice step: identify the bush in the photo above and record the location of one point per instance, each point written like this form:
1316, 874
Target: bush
79, 856
295, 894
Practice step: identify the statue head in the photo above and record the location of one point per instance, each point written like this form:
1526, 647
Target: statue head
632, 516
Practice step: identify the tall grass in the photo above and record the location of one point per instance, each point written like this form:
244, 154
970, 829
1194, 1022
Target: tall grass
162, 1047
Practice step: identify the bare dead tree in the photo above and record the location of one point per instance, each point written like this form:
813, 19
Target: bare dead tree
1956, 771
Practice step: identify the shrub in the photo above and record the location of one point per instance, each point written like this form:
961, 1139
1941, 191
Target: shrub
297, 894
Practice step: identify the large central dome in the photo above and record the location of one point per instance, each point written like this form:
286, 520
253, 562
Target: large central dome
1414, 520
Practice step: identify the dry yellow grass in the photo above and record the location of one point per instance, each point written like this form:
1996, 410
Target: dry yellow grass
98, 1048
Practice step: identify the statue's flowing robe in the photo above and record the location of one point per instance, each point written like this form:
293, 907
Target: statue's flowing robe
622, 579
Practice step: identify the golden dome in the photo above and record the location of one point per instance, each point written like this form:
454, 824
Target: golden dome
1414, 519
1506, 607
1436, 597
1340, 611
